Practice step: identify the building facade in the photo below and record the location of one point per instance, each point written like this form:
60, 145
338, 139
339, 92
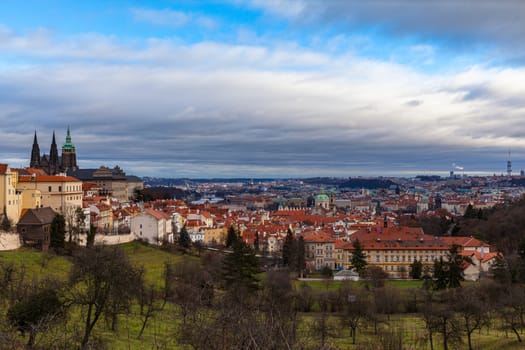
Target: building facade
63, 194
10, 199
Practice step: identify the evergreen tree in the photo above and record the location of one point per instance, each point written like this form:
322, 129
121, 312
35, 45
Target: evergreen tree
90, 236
290, 250
240, 268
58, 232
358, 260
5, 225
440, 274
470, 213
301, 258
256, 241
184, 238
416, 269
232, 237
454, 269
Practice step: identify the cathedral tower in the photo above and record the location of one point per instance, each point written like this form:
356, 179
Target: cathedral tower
35, 154
69, 157
54, 163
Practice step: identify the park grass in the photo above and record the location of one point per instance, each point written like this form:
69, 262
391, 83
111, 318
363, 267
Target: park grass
152, 259
160, 331
37, 264
329, 284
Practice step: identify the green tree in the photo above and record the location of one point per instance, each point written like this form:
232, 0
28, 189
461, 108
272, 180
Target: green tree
80, 219
232, 237
240, 267
90, 236
184, 238
5, 225
358, 259
470, 213
454, 266
301, 258
58, 232
35, 312
416, 269
290, 250
440, 275
256, 241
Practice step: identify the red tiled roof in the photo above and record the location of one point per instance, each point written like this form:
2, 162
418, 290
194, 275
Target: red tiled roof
157, 214
48, 178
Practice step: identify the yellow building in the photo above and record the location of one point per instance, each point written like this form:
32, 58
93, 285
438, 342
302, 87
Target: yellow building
61, 193
10, 201
215, 235
31, 199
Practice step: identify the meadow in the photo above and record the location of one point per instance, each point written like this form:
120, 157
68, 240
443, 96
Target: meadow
407, 330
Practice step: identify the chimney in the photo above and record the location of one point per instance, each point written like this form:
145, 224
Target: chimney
385, 222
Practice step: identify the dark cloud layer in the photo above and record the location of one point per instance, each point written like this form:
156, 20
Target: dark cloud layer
462, 21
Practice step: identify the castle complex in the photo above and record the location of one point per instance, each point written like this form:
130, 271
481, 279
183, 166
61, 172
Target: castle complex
54, 164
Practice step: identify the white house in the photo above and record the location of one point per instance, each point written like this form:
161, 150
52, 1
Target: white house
152, 225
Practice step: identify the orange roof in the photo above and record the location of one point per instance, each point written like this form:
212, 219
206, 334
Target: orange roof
48, 178
157, 214
464, 241
3, 168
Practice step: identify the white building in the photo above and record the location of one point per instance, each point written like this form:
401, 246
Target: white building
152, 225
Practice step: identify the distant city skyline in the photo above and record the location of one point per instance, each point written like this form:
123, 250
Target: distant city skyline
266, 88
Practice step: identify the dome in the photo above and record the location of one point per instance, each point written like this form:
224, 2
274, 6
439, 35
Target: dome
322, 197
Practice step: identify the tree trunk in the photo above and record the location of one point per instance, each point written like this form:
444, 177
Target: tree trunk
445, 336
31, 341
517, 333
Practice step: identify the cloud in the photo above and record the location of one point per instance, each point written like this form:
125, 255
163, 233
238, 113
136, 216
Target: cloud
456, 22
171, 18
162, 107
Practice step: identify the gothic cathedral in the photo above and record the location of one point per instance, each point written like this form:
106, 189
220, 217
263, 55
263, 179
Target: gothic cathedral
52, 163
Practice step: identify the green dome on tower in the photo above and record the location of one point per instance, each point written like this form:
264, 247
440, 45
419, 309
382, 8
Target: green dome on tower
322, 197
68, 146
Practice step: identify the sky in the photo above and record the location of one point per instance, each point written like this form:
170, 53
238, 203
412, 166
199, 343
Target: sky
267, 88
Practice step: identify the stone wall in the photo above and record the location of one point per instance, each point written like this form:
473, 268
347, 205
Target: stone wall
9, 241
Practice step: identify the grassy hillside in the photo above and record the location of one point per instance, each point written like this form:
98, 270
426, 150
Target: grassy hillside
160, 332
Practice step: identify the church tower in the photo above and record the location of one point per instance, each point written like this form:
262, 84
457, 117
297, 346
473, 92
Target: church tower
69, 157
35, 154
54, 163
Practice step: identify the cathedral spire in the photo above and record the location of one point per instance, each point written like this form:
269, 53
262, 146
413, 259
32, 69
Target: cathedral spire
35, 154
54, 164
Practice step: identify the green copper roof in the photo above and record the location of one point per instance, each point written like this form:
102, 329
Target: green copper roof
322, 197
68, 145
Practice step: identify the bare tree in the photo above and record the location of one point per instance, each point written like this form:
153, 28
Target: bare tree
470, 309
357, 306
98, 276
512, 309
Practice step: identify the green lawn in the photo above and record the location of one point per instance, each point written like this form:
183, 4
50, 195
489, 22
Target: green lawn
152, 259
36, 265
160, 331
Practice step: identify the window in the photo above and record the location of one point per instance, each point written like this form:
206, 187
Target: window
59, 188
49, 188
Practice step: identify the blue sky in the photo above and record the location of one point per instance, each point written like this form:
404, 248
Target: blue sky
261, 88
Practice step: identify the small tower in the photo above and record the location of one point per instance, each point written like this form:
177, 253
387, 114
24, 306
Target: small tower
35, 154
509, 166
69, 157
54, 163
